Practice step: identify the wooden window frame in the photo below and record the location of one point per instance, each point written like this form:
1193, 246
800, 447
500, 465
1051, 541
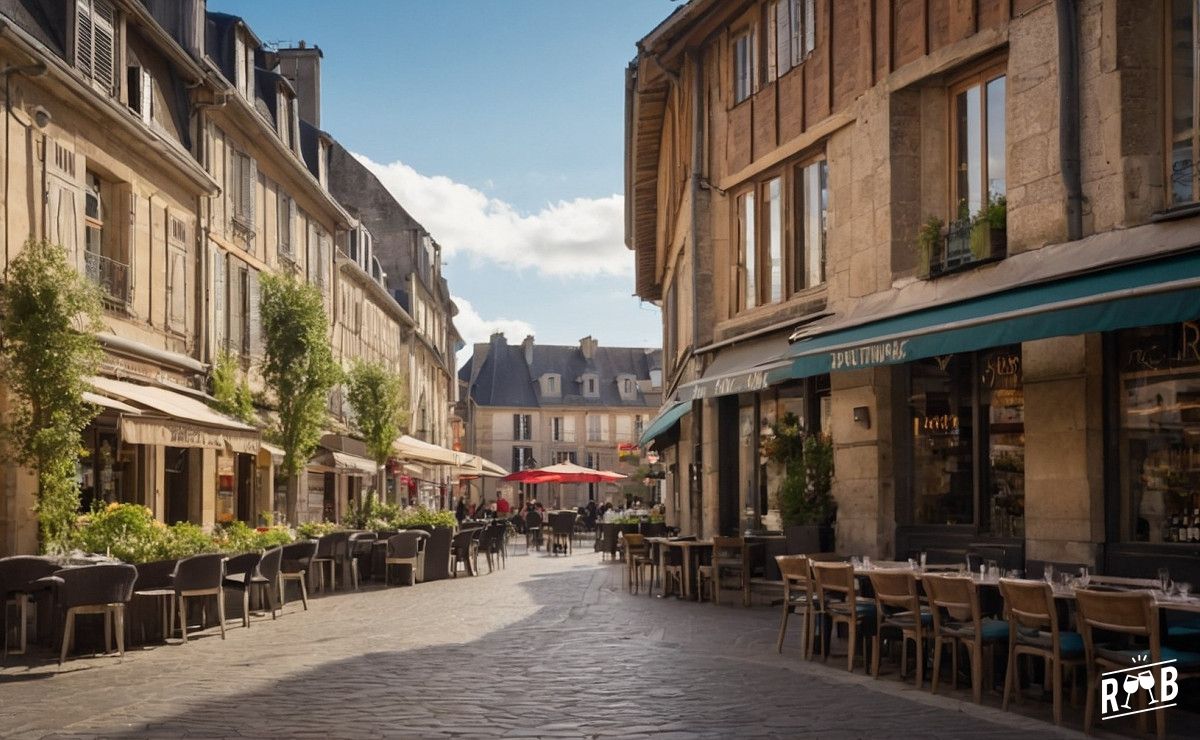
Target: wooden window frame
978, 75
795, 247
1168, 108
748, 30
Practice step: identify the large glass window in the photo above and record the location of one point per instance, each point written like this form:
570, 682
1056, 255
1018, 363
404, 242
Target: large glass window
743, 65
773, 237
1181, 101
968, 426
811, 217
979, 142
1159, 434
748, 245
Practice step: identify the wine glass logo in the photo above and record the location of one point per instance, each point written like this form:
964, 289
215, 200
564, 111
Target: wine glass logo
1130, 686
1146, 680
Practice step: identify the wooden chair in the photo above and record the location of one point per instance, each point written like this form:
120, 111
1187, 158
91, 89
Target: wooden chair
637, 559
705, 583
838, 603
1131, 615
958, 619
898, 607
797, 595
730, 553
672, 574
1033, 630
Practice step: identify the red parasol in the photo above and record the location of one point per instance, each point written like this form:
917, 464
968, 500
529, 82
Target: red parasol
564, 473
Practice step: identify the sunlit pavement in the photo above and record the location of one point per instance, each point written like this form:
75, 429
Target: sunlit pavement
548, 647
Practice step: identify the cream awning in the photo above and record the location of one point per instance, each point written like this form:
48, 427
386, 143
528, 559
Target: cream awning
344, 463
188, 423
491, 469
411, 448
109, 403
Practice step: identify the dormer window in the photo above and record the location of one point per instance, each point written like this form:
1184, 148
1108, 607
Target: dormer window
243, 63
627, 387
287, 126
591, 386
323, 163
551, 385
656, 378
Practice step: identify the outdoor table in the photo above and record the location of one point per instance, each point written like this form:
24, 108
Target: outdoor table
688, 547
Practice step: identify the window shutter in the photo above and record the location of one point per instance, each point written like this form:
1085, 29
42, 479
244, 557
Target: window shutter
810, 26
249, 175
219, 295
285, 225
84, 33
783, 35
324, 257
104, 25
177, 289
516, 426
256, 336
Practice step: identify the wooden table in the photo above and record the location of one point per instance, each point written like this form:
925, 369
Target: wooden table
688, 547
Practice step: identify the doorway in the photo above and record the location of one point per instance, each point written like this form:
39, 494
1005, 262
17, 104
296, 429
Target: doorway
245, 489
176, 480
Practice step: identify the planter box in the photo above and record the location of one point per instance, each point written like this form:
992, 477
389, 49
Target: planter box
964, 245
804, 539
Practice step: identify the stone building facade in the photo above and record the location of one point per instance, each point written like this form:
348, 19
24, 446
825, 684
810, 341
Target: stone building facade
165, 147
532, 405
1013, 374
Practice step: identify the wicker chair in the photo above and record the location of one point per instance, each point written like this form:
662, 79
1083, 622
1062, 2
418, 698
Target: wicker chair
296, 562
95, 589
199, 576
562, 527
461, 548
327, 547
239, 576
406, 548
533, 530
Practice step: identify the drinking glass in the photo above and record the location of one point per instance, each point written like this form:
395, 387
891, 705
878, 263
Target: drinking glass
866, 561
992, 568
1164, 580
1048, 574
1146, 680
912, 564
923, 560
1064, 580
1016, 573
1084, 576
1184, 590
1130, 685
855, 562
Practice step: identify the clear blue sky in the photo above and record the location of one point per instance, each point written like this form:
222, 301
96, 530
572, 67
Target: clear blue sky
520, 100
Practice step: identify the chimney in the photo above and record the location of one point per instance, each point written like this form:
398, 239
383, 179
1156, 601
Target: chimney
302, 66
587, 346
527, 346
497, 338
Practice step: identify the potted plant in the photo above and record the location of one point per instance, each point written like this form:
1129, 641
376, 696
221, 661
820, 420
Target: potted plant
805, 502
989, 234
929, 245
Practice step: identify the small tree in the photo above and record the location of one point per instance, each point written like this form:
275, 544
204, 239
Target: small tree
807, 460
49, 318
232, 395
377, 398
298, 368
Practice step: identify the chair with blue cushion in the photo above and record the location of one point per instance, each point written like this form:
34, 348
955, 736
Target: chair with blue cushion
958, 619
898, 609
1131, 618
1033, 630
838, 603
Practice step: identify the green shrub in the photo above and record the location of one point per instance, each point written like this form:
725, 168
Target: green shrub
419, 516
371, 513
128, 532
315, 530
274, 537
184, 539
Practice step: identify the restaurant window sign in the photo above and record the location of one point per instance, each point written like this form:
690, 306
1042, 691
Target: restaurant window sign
1159, 433
968, 427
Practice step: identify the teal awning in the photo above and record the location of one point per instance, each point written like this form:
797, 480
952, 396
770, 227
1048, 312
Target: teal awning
662, 423
1161, 291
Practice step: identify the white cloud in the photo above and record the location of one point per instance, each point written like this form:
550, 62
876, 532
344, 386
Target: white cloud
568, 238
474, 328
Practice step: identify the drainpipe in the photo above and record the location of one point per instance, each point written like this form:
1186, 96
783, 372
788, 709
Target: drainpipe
1068, 118
696, 498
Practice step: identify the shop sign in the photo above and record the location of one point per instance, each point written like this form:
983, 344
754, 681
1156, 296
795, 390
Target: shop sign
728, 386
869, 355
1162, 348
1001, 370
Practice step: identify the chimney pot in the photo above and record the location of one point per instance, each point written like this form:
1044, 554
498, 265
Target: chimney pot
527, 346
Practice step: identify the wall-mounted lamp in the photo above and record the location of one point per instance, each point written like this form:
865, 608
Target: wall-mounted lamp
862, 416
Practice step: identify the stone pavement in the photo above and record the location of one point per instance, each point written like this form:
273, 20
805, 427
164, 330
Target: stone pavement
549, 647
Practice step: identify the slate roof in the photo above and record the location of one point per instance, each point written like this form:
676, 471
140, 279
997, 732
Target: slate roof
498, 375
45, 21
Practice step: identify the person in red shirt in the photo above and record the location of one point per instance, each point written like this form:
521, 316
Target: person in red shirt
502, 506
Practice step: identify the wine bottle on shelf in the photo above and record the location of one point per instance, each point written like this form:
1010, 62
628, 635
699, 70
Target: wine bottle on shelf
1172, 533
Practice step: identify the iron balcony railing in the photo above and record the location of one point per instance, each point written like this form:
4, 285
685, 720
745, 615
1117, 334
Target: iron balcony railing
112, 277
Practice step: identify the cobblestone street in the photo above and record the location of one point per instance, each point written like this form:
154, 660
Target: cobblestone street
549, 647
